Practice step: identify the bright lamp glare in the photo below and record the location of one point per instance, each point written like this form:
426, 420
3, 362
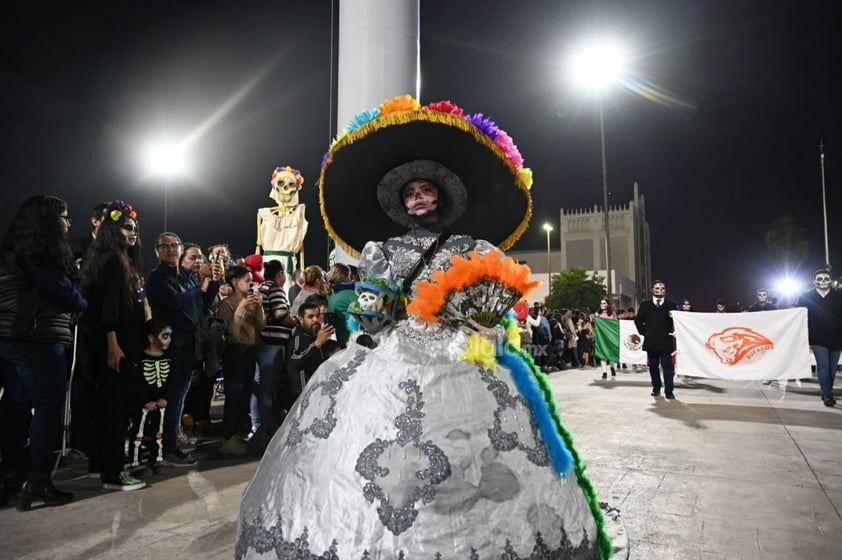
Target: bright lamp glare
787, 287
548, 227
165, 159
598, 65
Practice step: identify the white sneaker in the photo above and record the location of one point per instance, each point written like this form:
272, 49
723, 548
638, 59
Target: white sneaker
125, 482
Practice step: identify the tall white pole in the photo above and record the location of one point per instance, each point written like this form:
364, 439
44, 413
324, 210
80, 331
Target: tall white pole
610, 284
824, 207
549, 264
379, 53
379, 57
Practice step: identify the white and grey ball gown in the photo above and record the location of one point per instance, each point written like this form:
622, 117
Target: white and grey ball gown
407, 451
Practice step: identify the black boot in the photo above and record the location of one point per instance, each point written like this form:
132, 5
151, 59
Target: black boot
39, 488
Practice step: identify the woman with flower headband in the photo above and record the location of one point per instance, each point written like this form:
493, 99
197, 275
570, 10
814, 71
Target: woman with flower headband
114, 329
430, 440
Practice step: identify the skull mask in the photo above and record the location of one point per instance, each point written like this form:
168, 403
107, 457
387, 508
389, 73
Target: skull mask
286, 183
659, 289
367, 300
762, 296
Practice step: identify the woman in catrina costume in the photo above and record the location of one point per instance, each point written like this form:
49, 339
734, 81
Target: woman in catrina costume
439, 438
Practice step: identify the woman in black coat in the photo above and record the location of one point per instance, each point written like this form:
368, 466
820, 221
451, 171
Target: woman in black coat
114, 330
37, 298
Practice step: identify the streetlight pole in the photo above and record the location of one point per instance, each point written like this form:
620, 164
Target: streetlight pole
166, 197
548, 228
596, 67
608, 279
824, 207
165, 160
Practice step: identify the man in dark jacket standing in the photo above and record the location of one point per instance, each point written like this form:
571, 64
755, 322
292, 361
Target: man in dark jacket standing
824, 326
178, 297
654, 322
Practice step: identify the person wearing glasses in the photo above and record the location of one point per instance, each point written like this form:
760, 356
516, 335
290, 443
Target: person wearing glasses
114, 331
37, 272
824, 329
177, 295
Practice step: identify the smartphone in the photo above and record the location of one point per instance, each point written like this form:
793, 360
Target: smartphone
252, 287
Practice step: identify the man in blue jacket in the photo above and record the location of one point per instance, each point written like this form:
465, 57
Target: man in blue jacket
179, 297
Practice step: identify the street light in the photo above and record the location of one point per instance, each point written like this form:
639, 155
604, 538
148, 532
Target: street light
548, 228
166, 160
594, 68
824, 208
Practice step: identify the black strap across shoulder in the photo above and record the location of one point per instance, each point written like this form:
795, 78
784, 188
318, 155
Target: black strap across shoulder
428, 255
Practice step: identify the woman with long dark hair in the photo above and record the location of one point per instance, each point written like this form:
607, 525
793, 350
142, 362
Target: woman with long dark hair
114, 329
37, 297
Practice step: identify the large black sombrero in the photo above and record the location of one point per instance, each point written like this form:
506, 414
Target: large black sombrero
475, 164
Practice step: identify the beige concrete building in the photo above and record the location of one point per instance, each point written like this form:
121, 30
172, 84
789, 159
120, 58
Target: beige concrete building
583, 245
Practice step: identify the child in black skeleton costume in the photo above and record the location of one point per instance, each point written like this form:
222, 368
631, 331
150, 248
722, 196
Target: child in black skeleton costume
150, 382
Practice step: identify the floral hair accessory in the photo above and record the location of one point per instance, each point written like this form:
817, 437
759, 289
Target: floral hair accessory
287, 169
120, 208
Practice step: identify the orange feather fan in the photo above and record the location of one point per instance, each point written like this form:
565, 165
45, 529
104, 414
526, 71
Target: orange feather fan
481, 288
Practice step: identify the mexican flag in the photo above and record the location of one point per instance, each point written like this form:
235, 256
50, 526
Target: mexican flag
618, 341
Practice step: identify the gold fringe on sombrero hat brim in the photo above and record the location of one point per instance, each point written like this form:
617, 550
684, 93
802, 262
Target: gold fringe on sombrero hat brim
522, 179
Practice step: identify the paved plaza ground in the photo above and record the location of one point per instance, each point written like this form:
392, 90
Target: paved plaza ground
728, 470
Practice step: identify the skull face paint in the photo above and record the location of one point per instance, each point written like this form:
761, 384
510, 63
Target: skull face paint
762, 296
821, 280
659, 289
164, 338
420, 197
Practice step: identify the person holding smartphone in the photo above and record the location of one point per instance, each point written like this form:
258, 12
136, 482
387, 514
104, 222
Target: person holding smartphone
243, 314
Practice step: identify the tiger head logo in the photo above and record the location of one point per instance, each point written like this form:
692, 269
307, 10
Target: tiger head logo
736, 344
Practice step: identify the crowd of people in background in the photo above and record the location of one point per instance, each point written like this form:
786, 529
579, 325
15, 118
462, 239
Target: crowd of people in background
151, 352
564, 338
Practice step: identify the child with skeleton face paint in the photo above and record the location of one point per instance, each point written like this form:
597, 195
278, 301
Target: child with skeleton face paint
150, 380
824, 325
154, 368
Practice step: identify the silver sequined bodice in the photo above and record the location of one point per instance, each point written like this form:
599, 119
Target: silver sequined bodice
396, 257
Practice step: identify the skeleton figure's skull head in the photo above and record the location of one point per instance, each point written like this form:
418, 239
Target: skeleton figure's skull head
762, 296
368, 300
286, 182
821, 280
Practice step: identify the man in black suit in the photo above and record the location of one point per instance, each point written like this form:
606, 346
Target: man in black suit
654, 322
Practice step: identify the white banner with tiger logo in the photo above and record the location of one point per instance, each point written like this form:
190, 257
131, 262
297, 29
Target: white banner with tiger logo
743, 346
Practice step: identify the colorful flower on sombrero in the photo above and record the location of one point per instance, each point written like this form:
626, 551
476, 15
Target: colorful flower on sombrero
484, 187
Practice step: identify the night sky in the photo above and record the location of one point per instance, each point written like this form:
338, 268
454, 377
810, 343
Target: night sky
746, 91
